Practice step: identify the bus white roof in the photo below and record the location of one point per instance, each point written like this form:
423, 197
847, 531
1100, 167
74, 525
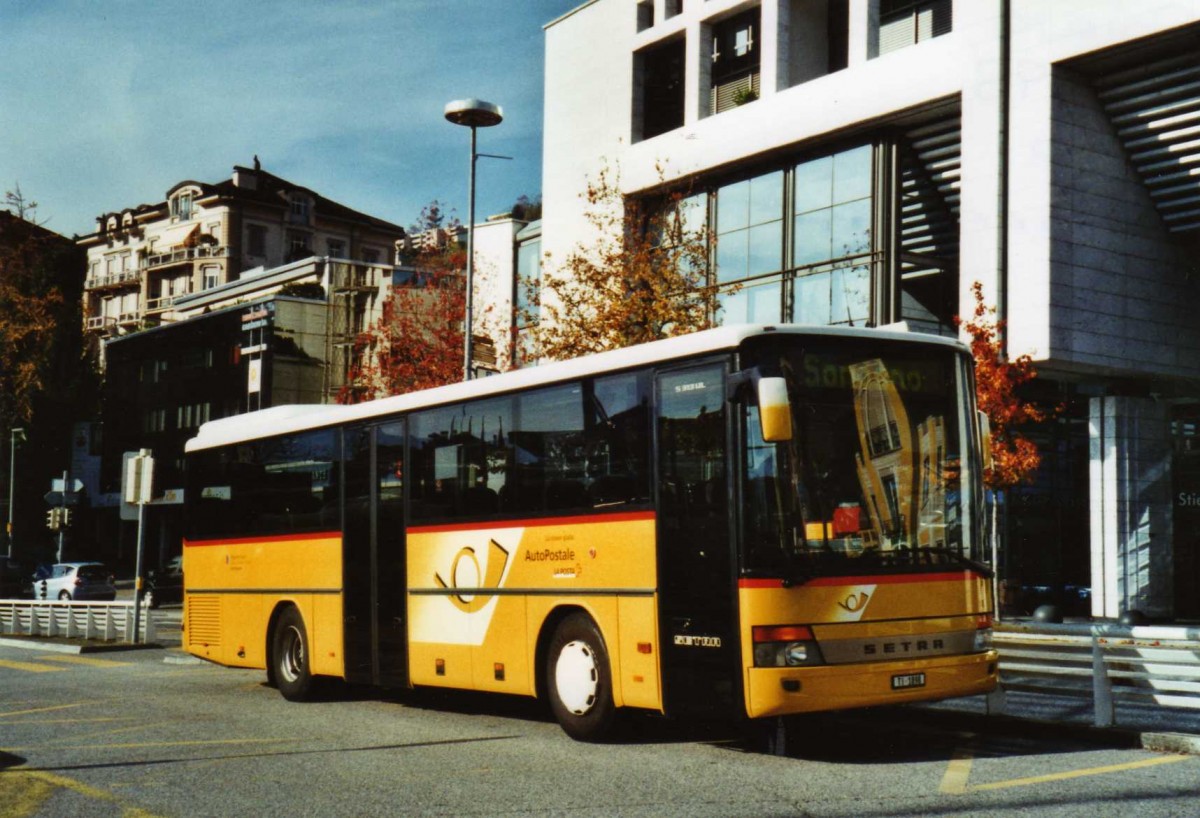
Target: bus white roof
292, 418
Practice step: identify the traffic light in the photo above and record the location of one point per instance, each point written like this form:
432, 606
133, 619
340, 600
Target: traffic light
65, 517
54, 519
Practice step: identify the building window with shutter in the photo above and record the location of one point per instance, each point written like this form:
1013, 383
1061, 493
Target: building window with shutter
907, 22
735, 61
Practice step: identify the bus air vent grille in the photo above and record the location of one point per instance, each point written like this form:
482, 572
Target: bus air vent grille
204, 620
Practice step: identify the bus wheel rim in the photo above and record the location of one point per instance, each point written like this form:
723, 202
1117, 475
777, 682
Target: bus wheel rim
291, 664
576, 677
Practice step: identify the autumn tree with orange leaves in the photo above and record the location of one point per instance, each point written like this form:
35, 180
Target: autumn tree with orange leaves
1015, 458
641, 276
417, 342
31, 304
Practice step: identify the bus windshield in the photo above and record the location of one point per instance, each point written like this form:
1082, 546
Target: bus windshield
877, 476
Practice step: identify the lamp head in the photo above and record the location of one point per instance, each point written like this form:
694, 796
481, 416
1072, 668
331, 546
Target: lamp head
474, 113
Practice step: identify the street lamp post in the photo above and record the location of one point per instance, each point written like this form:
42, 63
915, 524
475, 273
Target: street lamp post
473, 113
13, 436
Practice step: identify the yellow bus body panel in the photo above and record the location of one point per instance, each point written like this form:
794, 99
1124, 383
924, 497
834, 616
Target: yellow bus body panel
234, 586
897, 615
480, 598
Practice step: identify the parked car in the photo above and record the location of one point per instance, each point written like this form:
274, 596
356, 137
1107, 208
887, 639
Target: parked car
165, 585
76, 580
14, 580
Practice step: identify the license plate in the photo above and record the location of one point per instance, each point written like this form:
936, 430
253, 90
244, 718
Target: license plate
905, 681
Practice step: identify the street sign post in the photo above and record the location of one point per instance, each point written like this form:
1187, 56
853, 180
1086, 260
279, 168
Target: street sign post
138, 489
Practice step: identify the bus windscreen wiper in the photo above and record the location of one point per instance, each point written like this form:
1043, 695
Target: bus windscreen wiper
957, 557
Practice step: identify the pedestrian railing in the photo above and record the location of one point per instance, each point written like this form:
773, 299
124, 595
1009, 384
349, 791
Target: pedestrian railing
102, 621
1109, 664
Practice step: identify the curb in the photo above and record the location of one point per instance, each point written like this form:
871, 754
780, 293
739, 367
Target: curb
1154, 741
74, 647
1179, 743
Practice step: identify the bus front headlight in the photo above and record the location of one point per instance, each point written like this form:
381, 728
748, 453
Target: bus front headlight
785, 646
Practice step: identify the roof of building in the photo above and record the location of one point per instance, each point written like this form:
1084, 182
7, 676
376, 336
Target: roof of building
266, 189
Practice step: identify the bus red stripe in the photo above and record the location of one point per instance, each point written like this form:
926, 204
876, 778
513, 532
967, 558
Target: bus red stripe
881, 579
532, 522
266, 538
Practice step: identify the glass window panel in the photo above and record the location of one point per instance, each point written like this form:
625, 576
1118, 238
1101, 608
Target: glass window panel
850, 293
757, 304
694, 213
766, 248
812, 299
852, 174
733, 256
814, 184
812, 237
733, 207
852, 228
766, 198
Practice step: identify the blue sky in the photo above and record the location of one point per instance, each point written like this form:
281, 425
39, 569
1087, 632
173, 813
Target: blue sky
106, 105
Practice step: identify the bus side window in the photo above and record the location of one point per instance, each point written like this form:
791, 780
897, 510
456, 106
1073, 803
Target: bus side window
617, 440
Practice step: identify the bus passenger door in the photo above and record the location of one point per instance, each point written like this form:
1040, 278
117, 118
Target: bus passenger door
391, 598
374, 570
697, 615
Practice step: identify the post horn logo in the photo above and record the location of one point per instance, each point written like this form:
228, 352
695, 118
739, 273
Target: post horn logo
855, 603
467, 599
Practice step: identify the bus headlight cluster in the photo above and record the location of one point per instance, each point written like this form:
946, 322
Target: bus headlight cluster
785, 646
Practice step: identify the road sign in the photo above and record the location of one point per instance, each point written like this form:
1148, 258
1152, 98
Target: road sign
59, 484
57, 498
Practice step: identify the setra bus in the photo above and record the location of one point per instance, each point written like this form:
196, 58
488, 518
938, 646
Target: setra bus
751, 520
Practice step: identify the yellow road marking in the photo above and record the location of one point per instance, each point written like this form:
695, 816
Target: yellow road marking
29, 667
25, 793
86, 660
1112, 768
41, 710
954, 781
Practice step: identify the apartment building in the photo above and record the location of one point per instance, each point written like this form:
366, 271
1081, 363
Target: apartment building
142, 259
864, 162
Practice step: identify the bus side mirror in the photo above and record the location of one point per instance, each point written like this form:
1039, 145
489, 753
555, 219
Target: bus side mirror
774, 410
985, 440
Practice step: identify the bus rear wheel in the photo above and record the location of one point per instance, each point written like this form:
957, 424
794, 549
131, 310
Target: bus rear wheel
579, 680
290, 658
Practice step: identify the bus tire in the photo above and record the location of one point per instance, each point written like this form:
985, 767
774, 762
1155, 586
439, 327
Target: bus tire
290, 657
579, 679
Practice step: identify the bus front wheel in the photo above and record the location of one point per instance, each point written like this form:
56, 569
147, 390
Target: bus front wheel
290, 658
578, 679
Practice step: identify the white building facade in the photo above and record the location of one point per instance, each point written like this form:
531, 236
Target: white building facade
867, 161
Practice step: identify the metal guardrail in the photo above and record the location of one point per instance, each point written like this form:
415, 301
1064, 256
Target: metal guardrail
104, 621
1159, 666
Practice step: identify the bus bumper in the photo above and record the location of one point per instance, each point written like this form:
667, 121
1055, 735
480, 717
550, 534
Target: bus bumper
784, 691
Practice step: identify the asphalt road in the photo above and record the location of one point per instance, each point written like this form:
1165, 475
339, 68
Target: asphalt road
156, 733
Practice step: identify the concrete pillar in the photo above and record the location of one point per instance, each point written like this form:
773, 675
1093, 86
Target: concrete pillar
864, 31
1131, 525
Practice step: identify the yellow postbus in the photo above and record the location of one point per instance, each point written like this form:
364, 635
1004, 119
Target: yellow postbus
754, 520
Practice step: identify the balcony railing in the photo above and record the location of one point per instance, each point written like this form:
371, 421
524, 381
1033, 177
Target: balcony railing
182, 254
130, 318
164, 302
100, 323
120, 279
